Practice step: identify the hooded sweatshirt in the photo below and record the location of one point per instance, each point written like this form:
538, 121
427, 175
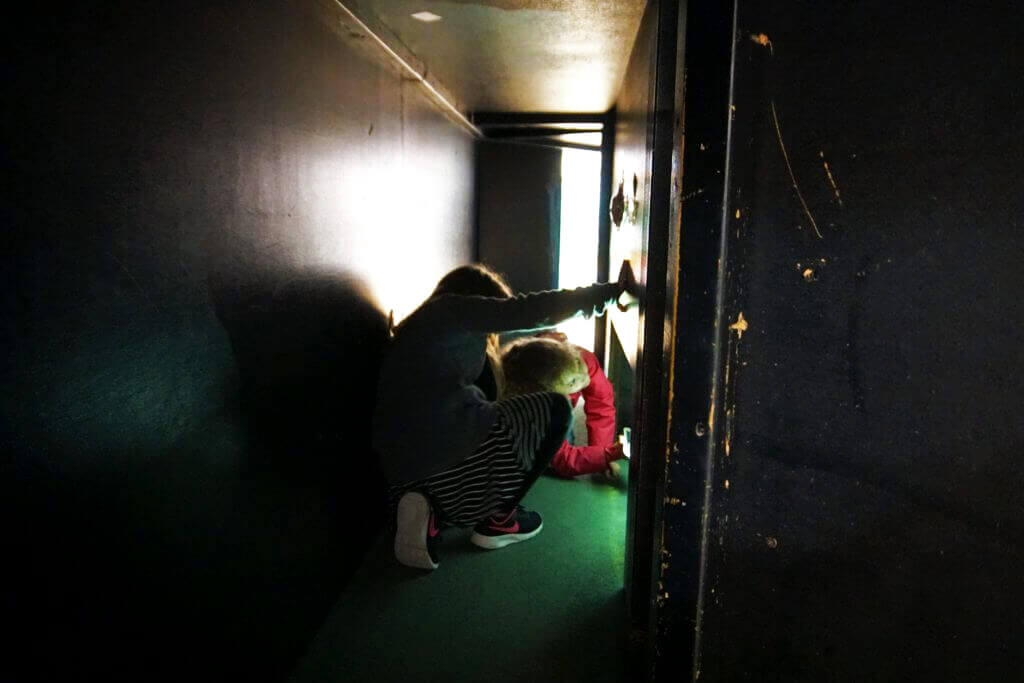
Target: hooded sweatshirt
429, 415
536, 364
599, 407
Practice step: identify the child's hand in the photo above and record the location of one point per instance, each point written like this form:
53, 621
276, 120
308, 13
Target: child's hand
612, 475
613, 453
628, 285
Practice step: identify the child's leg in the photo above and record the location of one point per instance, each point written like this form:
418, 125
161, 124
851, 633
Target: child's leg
512, 523
493, 479
560, 421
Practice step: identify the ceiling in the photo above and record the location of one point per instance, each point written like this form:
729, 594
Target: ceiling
515, 55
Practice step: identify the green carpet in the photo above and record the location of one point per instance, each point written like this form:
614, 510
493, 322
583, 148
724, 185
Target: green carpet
548, 609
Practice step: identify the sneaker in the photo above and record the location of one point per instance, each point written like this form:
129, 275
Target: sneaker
417, 534
498, 531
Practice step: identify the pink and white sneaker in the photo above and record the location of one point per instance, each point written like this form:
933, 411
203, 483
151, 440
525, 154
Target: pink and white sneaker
500, 530
417, 535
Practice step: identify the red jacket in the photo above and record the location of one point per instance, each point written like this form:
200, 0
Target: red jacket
599, 407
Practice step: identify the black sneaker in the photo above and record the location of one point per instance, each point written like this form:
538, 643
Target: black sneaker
417, 534
498, 531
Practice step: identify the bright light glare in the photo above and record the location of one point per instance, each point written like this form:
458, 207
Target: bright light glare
577, 251
394, 220
426, 17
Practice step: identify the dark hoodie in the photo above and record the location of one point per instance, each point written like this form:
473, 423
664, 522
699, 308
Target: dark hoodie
429, 415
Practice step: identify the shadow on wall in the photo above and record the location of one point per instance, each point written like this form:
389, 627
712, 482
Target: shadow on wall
308, 350
307, 346
219, 556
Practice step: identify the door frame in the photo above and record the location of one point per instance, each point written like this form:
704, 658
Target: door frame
679, 381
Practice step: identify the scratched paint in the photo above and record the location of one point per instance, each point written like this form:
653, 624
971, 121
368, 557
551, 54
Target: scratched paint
764, 41
740, 325
729, 415
792, 176
691, 195
831, 178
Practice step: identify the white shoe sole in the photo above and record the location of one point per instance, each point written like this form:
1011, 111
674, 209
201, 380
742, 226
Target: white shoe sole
411, 535
495, 542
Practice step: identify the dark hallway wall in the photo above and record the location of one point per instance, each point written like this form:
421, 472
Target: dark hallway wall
519, 190
864, 516
209, 209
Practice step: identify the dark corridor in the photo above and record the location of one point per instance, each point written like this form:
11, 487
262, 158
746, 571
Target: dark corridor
212, 208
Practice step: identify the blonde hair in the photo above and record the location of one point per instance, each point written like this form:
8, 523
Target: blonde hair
534, 364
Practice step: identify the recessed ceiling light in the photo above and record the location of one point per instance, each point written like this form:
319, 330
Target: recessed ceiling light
427, 17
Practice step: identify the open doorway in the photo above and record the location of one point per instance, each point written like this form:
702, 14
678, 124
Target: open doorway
578, 234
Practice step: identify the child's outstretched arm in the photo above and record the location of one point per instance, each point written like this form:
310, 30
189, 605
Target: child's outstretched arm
532, 311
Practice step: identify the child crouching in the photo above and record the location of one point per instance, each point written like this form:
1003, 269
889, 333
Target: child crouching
547, 363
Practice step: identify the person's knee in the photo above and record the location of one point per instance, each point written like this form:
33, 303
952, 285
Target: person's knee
559, 424
561, 414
